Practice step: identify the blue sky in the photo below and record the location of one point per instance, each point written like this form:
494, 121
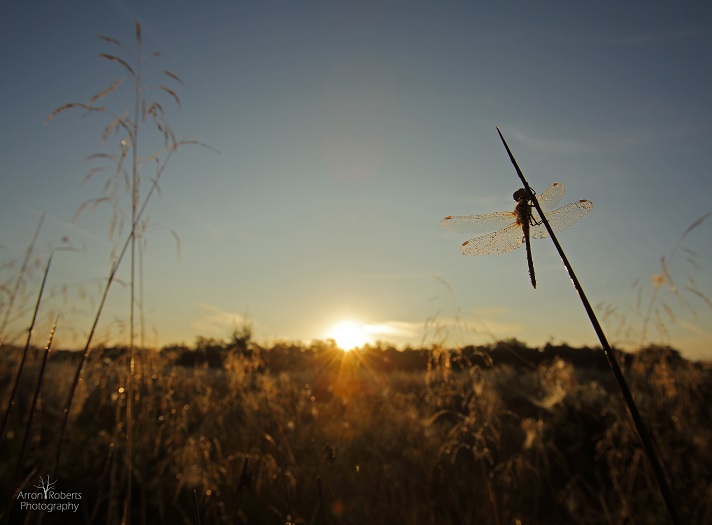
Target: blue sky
346, 132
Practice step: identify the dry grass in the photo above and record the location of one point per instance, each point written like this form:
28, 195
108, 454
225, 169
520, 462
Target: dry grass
542, 445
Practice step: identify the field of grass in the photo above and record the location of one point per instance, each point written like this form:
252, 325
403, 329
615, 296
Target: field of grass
502, 435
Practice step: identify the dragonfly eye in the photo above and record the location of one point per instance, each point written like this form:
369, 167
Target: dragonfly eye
520, 194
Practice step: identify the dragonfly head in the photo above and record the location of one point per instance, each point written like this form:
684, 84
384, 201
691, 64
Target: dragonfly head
520, 194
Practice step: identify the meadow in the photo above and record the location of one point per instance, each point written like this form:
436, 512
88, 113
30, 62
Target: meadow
292, 433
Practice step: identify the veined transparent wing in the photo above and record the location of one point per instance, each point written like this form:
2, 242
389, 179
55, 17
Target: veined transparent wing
489, 222
486, 222
512, 237
551, 196
559, 219
501, 241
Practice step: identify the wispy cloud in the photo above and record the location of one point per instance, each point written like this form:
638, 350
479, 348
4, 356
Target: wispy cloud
73, 228
394, 329
405, 276
217, 231
480, 325
217, 322
612, 140
691, 327
548, 145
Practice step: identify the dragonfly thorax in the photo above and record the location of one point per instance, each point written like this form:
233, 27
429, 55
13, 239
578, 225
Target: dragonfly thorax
523, 212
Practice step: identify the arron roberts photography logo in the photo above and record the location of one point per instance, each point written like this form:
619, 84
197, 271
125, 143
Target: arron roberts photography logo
47, 499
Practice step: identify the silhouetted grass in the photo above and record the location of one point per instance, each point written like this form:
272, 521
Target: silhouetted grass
251, 429
126, 167
640, 426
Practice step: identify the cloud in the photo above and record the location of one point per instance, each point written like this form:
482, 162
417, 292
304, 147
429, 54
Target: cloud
217, 322
481, 325
497, 321
75, 229
398, 329
618, 139
691, 328
405, 276
216, 231
553, 146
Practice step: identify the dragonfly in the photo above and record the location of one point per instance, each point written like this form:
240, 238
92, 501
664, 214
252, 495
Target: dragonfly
510, 230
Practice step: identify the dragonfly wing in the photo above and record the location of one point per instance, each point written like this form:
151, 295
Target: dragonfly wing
560, 219
501, 241
478, 223
551, 196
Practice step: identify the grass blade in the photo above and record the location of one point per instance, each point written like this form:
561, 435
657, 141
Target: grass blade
196, 508
171, 93
612, 361
173, 76
38, 386
118, 60
13, 394
18, 281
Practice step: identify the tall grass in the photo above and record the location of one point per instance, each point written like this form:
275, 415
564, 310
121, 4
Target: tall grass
126, 166
250, 428
662, 299
640, 426
12, 293
23, 360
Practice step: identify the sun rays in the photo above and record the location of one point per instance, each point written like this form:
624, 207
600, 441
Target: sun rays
349, 335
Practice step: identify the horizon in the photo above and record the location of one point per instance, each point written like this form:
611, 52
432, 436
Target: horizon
330, 344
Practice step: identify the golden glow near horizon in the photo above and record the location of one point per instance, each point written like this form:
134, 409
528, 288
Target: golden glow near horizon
349, 335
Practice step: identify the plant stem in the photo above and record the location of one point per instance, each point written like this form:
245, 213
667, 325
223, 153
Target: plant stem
13, 394
135, 185
322, 505
92, 331
38, 387
18, 281
612, 361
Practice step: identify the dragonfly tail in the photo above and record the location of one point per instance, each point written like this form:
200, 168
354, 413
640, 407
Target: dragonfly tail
530, 260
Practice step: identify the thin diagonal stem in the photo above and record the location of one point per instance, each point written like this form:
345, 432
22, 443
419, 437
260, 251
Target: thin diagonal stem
13, 394
18, 281
612, 361
28, 427
38, 387
322, 506
112, 274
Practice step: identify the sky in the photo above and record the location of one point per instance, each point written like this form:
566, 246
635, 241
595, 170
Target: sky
343, 133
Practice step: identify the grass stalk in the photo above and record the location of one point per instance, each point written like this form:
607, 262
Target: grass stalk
144, 110
322, 504
92, 331
490, 494
13, 393
18, 281
196, 508
28, 427
610, 355
38, 387
135, 187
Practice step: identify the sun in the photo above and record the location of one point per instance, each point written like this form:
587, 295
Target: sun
349, 335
